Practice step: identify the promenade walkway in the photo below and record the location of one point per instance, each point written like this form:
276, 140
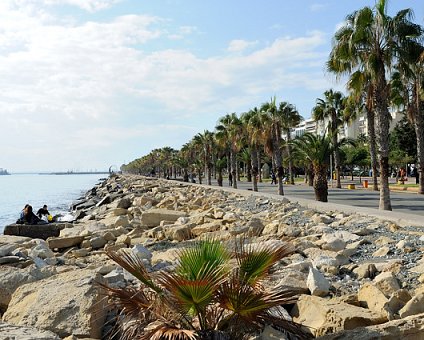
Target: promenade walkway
404, 203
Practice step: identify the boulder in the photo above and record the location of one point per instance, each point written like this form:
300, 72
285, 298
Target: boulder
387, 283
153, 217
413, 306
67, 304
7, 249
409, 328
206, 228
179, 232
369, 296
64, 242
124, 203
323, 316
13, 332
43, 231
13, 278
292, 279
317, 283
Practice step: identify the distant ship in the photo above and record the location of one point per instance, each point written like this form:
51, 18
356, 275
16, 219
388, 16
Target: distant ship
3, 172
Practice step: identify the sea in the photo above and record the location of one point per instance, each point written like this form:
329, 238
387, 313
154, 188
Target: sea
56, 191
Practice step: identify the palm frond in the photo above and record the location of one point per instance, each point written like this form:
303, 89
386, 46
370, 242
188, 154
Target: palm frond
203, 258
134, 265
169, 332
256, 261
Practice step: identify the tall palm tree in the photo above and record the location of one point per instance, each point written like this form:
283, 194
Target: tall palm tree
370, 40
290, 118
317, 150
408, 87
252, 123
206, 141
229, 131
362, 95
273, 126
331, 109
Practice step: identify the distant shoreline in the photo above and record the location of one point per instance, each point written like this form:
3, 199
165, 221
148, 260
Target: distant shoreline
77, 173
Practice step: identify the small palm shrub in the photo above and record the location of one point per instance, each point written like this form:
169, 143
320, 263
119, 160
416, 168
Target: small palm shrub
213, 293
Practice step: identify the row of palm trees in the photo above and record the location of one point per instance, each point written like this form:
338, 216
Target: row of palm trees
383, 58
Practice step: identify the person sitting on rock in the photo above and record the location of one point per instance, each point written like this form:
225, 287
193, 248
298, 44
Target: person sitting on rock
29, 217
43, 212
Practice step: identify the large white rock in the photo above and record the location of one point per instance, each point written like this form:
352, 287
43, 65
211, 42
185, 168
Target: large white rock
142, 252
317, 283
67, 303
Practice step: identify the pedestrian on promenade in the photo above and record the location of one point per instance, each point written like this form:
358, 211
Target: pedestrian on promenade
230, 179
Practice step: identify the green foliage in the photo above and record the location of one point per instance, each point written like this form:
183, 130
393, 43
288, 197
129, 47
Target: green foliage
211, 290
403, 139
312, 148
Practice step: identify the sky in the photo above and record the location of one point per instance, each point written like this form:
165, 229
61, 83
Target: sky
89, 84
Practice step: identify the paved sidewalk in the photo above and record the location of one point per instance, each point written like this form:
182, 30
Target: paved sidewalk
405, 204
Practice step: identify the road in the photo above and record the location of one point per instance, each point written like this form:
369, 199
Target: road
405, 202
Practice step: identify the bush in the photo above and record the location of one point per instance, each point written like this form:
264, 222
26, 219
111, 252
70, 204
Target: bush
214, 293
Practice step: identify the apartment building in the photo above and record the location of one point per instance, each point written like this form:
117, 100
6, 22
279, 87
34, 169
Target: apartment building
353, 130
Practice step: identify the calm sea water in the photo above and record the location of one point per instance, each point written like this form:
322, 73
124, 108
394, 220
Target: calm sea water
57, 191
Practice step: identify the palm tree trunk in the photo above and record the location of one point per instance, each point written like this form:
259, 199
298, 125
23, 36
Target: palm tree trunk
320, 183
278, 161
311, 176
220, 179
209, 174
254, 164
199, 173
373, 147
259, 166
233, 157
291, 177
383, 123
419, 131
334, 132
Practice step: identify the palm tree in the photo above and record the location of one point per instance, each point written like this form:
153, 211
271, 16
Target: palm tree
244, 156
211, 294
220, 164
229, 131
317, 150
252, 124
362, 92
206, 140
331, 108
408, 91
369, 41
290, 118
273, 126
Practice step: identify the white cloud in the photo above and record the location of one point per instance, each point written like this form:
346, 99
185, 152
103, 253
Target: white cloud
317, 7
240, 45
88, 5
83, 88
182, 32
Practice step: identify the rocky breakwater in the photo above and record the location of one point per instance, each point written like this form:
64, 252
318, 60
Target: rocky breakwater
360, 277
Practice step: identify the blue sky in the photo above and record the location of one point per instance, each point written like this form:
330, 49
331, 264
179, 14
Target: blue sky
86, 84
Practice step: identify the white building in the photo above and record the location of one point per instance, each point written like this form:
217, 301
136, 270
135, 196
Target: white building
353, 130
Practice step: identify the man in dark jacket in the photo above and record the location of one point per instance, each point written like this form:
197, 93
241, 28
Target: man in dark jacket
43, 212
